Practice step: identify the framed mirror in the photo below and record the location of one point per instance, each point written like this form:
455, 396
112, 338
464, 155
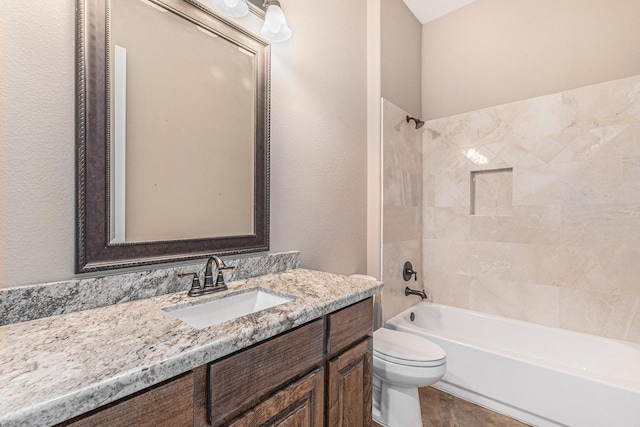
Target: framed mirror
172, 134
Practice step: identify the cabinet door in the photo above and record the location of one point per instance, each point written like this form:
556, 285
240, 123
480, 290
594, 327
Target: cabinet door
242, 380
168, 404
350, 377
297, 405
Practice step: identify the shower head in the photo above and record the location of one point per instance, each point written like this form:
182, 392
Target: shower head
419, 123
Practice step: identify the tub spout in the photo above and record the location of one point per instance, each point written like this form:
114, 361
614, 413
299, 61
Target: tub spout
408, 291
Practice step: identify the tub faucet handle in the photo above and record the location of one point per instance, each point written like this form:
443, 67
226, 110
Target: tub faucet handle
408, 271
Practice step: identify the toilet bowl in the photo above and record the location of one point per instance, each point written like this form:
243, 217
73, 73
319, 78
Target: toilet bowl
402, 363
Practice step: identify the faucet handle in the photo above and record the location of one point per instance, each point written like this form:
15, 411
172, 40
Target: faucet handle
195, 284
220, 278
408, 271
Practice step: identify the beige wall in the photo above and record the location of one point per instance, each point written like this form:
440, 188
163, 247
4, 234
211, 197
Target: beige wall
37, 141
319, 136
401, 56
564, 252
497, 51
318, 139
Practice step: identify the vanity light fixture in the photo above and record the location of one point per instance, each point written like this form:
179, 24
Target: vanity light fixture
233, 8
275, 28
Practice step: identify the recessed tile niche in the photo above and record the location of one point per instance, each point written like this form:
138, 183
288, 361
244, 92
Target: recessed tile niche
492, 192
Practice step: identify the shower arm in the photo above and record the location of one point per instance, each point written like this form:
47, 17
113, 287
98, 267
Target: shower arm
419, 123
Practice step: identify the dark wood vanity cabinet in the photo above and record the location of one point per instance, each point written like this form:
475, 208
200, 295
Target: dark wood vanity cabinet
319, 374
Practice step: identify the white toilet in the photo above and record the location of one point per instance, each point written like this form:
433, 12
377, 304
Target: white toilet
402, 363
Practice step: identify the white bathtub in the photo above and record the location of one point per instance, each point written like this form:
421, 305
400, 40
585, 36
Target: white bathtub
540, 375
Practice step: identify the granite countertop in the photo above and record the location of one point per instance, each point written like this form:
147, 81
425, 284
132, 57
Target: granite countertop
55, 368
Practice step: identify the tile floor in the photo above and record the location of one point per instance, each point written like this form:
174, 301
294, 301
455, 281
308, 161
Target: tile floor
444, 410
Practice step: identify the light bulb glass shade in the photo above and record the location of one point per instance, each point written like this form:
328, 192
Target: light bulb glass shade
233, 8
275, 28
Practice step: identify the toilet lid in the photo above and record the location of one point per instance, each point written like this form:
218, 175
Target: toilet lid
406, 349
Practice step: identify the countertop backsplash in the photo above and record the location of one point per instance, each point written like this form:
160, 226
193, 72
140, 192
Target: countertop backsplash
24, 303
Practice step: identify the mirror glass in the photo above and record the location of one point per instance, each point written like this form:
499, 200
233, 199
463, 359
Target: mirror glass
172, 134
182, 128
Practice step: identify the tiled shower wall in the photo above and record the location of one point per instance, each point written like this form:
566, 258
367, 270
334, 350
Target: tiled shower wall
565, 252
402, 207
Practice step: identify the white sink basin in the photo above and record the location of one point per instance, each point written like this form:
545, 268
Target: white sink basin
220, 310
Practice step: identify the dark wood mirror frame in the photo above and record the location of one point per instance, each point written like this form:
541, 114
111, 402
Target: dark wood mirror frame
94, 252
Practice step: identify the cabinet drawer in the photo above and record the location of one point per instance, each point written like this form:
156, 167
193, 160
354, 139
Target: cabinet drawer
168, 404
241, 380
349, 325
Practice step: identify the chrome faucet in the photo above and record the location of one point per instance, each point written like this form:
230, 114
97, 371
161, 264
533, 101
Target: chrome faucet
209, 285
408, 291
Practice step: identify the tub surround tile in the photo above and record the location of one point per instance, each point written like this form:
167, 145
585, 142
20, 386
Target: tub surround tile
402, 188
428, 190
469, 258
401, 223
633, 328
447, 222
529, 302
403, 145
527, 224
56, 368
512, 154
402, 207
541, 304
394, 256
497, 297
452, 289
603, 225
25, 303
537, 117
588, 268
605, 104
567, 254
395, 301
444, 159
597, 313
630, 273
631, 177
452, 188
